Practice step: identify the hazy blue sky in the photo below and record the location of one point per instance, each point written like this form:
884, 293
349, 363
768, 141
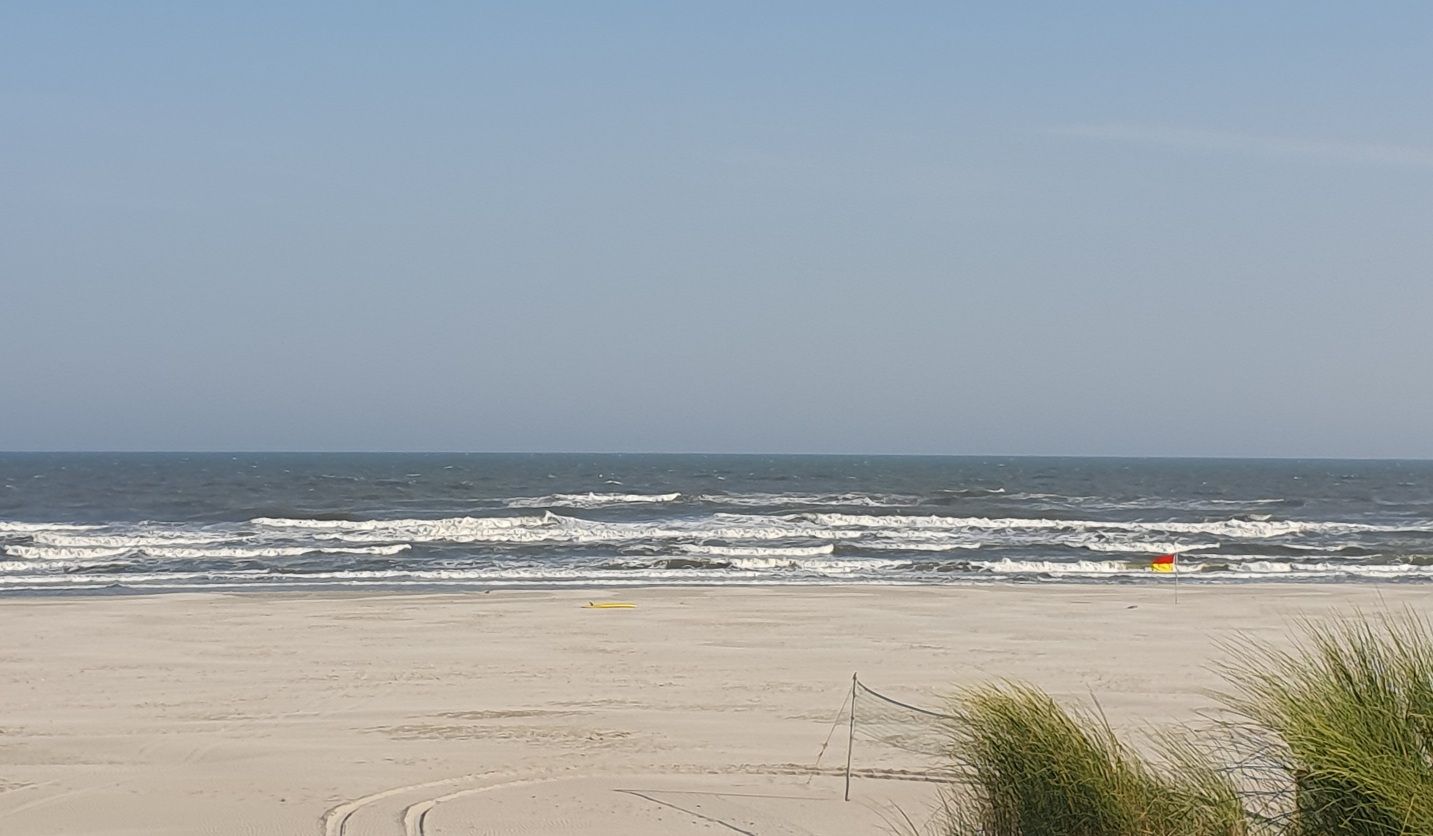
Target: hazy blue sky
1070, 228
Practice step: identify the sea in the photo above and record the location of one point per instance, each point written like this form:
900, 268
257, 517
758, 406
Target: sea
109, 522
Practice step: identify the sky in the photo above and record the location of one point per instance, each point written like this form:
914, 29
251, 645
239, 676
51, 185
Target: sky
933, 228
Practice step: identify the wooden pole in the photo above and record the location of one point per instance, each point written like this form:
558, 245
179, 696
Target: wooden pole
850, 737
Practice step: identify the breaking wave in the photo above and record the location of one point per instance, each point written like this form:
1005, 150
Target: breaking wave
758, 551
27, 527
1242, 528
774, 500
918, 545
92, 553
128, 541
590, 500
701, 571
694, 537
554, 528
450, 523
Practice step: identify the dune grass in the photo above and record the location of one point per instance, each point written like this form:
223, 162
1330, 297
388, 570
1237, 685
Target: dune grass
1348, 714
1028, 767
1337, 731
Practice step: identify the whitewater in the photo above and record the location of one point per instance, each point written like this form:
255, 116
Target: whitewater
104, 522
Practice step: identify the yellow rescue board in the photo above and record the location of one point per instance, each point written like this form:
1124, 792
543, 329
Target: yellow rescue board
609, 605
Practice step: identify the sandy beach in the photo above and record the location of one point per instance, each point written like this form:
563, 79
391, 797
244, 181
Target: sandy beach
701, 710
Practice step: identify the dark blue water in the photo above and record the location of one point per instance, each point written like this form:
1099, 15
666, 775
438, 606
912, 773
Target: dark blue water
166, 521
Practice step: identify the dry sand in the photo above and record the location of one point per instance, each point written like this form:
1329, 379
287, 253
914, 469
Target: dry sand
701, 711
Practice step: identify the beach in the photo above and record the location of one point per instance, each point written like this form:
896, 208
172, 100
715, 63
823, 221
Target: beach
699, 710
689, 420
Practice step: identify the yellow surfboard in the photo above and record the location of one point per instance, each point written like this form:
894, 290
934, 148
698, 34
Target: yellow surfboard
609, 605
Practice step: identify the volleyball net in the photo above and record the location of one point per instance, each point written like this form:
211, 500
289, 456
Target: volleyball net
895, 739
890, 738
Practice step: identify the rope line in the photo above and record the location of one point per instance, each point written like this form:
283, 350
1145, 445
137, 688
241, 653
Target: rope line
829, 734
861, 685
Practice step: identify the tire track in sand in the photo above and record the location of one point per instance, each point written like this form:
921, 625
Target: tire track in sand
409, 819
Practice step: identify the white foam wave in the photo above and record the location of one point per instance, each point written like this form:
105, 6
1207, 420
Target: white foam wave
54, 553
451, 529
93, 553
134, 540
1192, 569
383, 525
1364, 569
776, 566
13, 575
590, 500
919, 545
27, 527
1133, 546
947, 532
832, 567
29, 566
767, 500
757, 551
1244, 529
933, 539
742, 568
923, 533
1059, 567
553, 528
1262, 566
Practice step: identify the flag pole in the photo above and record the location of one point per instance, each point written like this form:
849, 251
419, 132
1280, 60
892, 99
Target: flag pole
1168, 563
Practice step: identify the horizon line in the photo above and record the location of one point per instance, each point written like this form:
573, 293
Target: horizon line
1128, 456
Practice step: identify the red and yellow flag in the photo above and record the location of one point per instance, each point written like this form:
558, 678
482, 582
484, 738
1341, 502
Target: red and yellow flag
1164, 563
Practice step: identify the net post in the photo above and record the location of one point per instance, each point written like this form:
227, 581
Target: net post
850, 737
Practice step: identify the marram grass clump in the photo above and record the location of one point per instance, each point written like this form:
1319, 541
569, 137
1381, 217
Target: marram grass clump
1331, 738
1028, 767
1348, 716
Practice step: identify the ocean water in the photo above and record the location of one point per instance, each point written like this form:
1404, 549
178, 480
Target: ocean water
264, 521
